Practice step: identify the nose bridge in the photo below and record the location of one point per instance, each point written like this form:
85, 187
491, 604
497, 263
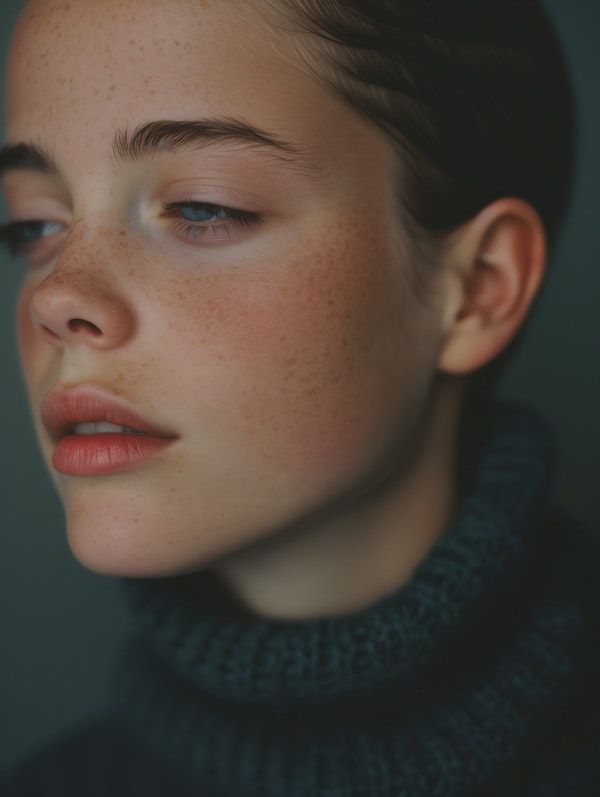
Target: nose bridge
81, 301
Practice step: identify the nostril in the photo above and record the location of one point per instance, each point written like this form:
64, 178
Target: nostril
81, 325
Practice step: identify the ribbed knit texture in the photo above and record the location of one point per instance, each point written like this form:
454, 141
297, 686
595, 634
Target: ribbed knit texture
430, 692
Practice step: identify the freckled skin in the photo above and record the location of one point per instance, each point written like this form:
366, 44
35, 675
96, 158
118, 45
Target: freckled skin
293, 364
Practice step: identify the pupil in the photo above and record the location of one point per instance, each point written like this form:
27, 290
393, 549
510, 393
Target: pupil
200, 213
32, 231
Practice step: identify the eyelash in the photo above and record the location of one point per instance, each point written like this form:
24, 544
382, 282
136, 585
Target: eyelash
228, 222
11, 234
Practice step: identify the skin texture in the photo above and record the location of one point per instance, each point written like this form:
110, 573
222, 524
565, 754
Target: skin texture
289, 356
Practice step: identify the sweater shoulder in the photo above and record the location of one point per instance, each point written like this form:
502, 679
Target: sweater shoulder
563, 757
96, 760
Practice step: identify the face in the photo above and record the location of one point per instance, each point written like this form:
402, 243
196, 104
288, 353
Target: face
215, 272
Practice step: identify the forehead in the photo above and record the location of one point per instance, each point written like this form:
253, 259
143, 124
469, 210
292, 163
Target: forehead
114, 65
160, 45
80, 70
59, 16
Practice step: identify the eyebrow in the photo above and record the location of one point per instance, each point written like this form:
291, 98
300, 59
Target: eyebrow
153, 138
27, 157
166, 136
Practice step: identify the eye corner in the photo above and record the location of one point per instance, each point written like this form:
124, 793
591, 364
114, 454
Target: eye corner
29, 238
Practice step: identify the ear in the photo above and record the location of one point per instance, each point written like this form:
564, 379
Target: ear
495, 264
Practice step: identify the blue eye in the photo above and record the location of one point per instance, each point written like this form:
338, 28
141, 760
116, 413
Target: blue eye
196, 211
19, 236
205, 221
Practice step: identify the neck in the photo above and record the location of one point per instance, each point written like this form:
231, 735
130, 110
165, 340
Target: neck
371, 546
435, 689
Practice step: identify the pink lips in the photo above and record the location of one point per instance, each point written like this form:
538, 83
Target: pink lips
99, 453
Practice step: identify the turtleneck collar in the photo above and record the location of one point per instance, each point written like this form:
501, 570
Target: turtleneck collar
425, 692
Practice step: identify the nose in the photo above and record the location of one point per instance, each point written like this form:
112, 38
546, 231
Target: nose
76, 305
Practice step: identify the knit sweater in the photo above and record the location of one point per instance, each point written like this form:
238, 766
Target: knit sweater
478, 677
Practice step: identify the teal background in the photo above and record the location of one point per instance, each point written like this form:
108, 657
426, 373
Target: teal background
60, 626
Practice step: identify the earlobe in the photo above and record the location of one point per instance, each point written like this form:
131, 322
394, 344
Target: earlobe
497, 264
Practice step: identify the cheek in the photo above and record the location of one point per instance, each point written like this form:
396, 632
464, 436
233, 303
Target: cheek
29, 341
311, 355
38, 361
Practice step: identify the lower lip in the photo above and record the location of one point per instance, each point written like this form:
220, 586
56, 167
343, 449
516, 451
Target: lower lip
103, 454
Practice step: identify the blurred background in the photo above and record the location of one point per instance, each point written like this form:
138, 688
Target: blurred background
61, 626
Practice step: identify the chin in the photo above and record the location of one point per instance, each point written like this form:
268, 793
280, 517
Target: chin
124, 533
111, 538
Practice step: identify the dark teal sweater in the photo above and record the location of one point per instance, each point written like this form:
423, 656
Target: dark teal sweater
479, 677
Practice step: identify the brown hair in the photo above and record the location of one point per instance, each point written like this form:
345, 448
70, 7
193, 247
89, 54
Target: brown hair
474, 93
477, 99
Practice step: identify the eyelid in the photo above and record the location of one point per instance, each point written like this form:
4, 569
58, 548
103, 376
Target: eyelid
9, 236
28, 206
232, 212
224, 228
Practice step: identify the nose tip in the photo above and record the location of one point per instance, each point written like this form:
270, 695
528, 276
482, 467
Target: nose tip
78, 308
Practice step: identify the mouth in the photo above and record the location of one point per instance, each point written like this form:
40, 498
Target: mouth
95, 434
84, 412
103, 427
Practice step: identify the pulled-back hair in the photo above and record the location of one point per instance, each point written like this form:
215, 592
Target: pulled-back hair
475, 96
474, 93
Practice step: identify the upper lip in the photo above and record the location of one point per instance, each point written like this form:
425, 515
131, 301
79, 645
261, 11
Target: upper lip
64, 407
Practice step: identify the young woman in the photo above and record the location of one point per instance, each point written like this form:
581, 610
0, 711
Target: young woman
274, 252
